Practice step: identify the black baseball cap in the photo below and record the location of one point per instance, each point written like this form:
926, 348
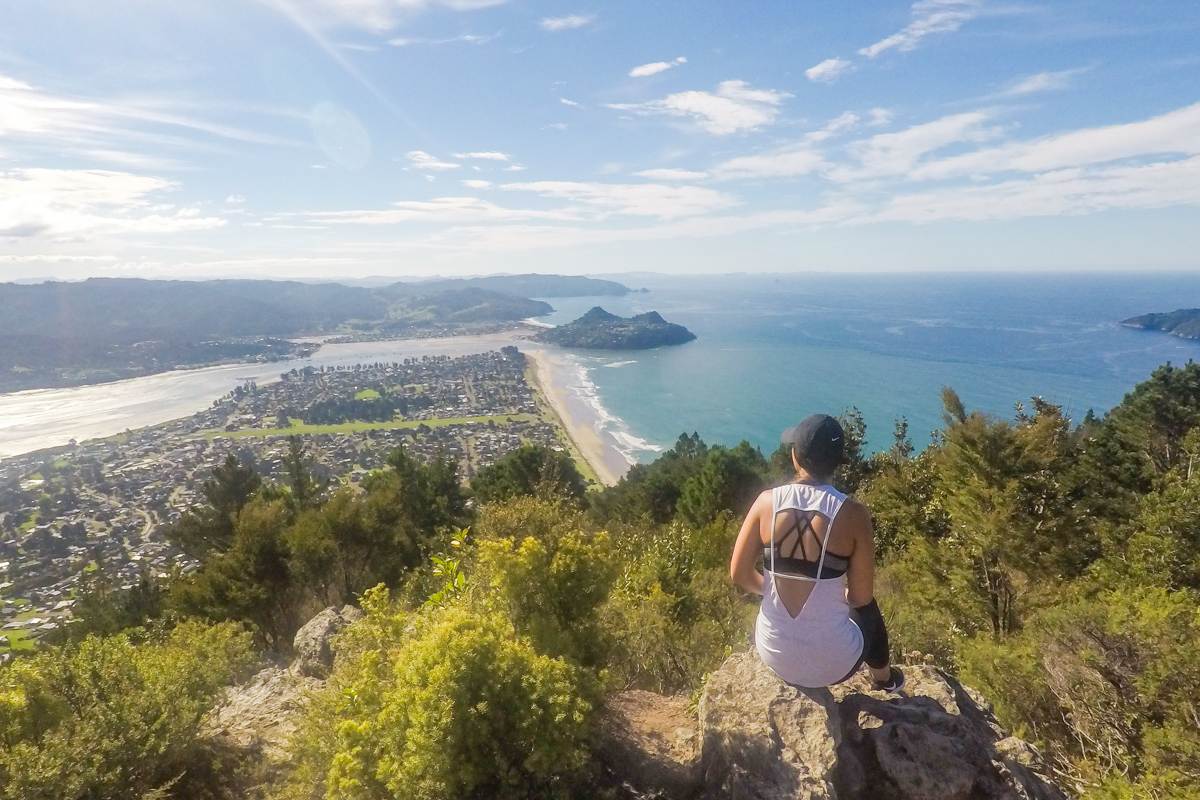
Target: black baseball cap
819, 441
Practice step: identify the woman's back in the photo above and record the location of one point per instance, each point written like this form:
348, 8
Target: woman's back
804, 631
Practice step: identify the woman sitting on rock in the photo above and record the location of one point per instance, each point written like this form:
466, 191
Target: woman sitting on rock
818, 621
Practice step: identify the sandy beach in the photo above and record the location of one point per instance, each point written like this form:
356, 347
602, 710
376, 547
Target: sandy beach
553, 375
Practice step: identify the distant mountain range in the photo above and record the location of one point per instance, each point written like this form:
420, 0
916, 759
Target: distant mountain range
1184, 322
62, 334
601, 330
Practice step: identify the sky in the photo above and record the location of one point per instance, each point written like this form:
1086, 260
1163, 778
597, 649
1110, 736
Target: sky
327, 139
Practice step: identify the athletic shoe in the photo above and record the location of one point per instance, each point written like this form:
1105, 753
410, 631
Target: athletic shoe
893, 684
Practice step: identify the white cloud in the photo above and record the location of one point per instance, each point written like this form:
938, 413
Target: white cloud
631, 199
514, 168
669, 174
568, 23
486, 155
879, 117
73, 203
424, 162
929, 17
733, 107
1175, 132
475, 183
655, 67
235, 199
1043, 82
843, 122
892, 154
570, 103
557, 126
828, 70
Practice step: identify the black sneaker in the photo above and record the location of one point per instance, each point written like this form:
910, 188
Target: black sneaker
893, 684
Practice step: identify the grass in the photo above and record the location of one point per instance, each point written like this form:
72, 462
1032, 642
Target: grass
366, 394
300, 429
18, 640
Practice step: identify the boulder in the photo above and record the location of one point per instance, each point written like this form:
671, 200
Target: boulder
758, 738
312, 643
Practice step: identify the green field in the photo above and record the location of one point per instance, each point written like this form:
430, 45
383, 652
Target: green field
366, 394
300, 429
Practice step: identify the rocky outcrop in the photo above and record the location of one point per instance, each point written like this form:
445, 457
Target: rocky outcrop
257, 718
757, 738
312, 643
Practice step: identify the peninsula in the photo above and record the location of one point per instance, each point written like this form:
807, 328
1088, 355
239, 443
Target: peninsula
1184, 322
601, 330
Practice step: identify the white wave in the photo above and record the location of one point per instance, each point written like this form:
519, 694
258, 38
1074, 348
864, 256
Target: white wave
611, 428
615, 364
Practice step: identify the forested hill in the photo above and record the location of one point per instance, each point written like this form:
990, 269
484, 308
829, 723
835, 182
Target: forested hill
54, 334
601, 330
1184, 322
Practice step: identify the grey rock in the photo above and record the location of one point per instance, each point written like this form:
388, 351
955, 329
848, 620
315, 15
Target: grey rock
760, 739
312, 644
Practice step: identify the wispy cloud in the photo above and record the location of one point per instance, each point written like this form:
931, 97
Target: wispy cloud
1175, 132
734, 107
424, 162
929, 17
466, 38
631, 199
893, 154
113, 131
568, 23
670, 174
1044, 82
376, 16
476, 183
570, 103
655, 67
828, 70
483, 155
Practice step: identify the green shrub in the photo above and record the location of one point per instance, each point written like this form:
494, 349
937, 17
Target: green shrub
444, 703
111, 718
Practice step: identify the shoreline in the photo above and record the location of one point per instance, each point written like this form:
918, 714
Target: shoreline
608, 464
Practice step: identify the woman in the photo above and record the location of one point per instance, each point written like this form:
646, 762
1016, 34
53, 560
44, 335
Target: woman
818, 621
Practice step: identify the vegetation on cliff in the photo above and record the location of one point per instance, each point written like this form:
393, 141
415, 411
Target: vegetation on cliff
600, 330
1052, 565
1183, 322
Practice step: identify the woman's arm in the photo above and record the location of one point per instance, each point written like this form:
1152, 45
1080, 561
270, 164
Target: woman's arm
748, 547
860, 578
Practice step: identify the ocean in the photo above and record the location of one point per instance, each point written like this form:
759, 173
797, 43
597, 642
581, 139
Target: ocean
773, 349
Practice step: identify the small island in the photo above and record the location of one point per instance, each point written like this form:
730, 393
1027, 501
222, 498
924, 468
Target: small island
1184, 322
601, 330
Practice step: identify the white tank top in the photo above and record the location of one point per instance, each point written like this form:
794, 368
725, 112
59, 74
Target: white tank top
821, 644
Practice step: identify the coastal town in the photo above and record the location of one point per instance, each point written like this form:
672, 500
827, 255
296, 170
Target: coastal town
106, 504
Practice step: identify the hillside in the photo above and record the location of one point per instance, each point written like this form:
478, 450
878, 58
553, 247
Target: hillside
101, 329
600, 330
1184, 322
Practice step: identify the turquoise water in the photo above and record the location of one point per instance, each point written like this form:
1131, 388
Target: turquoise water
772, 349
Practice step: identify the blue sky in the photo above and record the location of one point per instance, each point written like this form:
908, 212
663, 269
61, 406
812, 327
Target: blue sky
337, 138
